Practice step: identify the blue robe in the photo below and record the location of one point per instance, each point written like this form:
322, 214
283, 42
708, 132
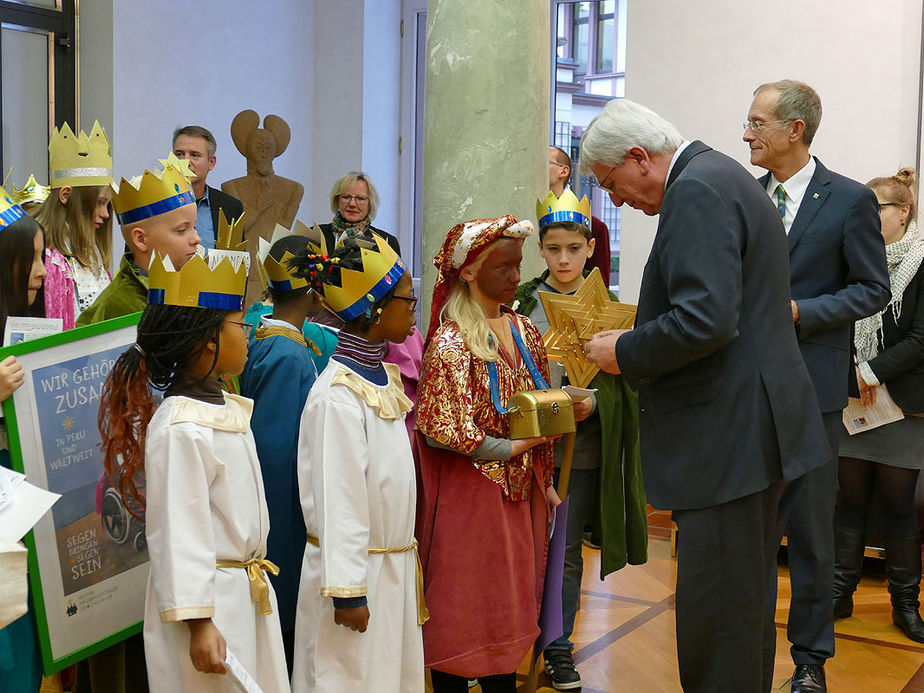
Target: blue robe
322, 336
277, 377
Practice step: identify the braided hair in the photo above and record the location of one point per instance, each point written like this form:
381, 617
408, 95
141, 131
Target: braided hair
170, 338
348, 255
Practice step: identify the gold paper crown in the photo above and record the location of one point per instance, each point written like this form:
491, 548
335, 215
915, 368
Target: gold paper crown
358, 290
565, 208
219, 281
31, 193
150, 194
230, 235
9, 210
80, 159
277, 274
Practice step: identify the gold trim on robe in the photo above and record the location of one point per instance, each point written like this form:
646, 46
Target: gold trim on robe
388, 401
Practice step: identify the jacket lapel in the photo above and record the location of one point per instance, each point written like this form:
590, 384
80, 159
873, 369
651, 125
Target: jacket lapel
694, 148
815, 195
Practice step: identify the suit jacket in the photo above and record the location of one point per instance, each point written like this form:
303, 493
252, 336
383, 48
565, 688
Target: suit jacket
900, 362
331, 240
837, 273
726, 405
218, 199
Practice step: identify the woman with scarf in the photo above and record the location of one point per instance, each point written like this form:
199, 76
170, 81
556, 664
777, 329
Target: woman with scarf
889, 352
354, 201
483, 500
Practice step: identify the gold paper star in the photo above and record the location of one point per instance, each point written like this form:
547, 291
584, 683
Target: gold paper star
181, 164
574, 319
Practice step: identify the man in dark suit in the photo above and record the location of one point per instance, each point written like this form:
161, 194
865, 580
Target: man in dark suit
198, 146
726, 413
837, 276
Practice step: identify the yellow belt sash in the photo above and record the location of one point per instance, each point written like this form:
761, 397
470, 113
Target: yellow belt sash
259, 590
423, 615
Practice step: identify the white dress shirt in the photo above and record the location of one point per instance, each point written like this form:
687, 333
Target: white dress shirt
794, 189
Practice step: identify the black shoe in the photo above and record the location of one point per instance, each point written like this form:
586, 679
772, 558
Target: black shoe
903, 567
848, 561
559, 665
809, 678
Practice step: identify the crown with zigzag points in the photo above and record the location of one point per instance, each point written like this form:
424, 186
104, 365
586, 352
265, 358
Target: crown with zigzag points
358, 290
565, 208
32, 192
151, 194
217, 281
230, 235
79, 160
9, 210
277, 274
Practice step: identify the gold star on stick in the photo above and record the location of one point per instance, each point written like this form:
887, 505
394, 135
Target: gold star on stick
574, 319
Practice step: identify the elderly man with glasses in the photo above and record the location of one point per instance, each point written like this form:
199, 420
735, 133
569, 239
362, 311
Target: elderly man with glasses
727, 416
838, 275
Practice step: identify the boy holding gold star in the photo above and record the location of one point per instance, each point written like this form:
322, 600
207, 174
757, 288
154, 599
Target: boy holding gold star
606, 458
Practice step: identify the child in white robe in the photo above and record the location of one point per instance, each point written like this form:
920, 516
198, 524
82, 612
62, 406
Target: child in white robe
206, 517
359, 609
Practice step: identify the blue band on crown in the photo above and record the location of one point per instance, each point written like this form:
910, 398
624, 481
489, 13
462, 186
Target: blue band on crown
155, 208
11, 214
283, 285
564, 215
384, 285
206, 299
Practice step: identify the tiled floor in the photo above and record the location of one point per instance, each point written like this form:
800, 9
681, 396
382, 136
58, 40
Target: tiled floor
624, 636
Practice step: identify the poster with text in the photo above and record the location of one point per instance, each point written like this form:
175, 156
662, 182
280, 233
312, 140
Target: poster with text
87, 557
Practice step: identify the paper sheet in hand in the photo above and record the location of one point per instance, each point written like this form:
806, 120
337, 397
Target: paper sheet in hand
239, 675
23, 329
27, 506
579, 392
858, 418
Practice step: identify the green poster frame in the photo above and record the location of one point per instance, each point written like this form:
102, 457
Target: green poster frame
50, 664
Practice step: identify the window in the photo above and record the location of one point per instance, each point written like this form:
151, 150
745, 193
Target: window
38, 67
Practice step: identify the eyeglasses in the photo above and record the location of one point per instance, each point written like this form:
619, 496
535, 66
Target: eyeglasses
758, 125
888, 204
245, 326
358, 199
602, 184
555, 163
412, 301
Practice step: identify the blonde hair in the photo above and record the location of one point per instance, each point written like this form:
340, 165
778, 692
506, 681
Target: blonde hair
345, 182
69, 227
899, 188
462, 309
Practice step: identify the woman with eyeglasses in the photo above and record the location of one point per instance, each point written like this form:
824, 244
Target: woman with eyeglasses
889, 354
354, 201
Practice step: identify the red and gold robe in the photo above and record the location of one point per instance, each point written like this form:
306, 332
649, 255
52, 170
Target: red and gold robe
482, 525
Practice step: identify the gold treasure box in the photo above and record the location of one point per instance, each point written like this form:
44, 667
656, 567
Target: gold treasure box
540, 413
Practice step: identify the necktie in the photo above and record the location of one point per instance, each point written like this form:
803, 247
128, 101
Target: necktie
781, 201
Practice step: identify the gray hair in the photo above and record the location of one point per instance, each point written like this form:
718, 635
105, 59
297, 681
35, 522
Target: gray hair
345, 182
797, 101
197, 131
621, 125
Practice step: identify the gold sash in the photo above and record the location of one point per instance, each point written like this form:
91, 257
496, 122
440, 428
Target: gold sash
423, 615
259, 590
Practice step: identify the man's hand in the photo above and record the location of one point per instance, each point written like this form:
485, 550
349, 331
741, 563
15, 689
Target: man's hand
11, 376
582, 408
795, 312
867, 392
356, 618
206, 646
601, 350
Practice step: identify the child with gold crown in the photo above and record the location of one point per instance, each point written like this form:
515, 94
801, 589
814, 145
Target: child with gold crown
157, 213
206, 516
360, 601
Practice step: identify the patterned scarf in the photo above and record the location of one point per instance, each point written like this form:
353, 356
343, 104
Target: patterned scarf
903, 258
344, 229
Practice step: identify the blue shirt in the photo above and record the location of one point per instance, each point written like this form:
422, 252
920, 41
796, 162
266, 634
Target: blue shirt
204, 221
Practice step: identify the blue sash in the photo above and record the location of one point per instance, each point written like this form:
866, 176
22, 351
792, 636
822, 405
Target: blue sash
538, 380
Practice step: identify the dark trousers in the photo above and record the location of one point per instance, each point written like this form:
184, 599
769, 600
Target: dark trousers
723, 555
807, 516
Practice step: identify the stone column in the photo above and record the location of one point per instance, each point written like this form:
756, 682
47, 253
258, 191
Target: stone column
486, 127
